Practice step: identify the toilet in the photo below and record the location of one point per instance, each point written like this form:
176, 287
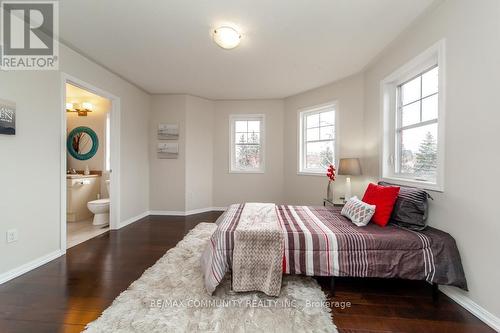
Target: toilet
100, 209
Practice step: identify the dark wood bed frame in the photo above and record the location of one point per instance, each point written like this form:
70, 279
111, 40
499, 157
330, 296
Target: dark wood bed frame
434, 290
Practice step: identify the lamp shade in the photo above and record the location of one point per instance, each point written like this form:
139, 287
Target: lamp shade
349, 167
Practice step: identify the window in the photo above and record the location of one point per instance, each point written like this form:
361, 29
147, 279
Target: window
417, 124
247, 143
413, 122
317, 139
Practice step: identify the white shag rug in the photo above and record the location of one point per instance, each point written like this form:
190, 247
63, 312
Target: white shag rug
170, 297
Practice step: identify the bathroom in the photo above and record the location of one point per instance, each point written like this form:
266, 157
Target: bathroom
88, 164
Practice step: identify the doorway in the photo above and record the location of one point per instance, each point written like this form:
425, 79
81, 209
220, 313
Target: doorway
89, 162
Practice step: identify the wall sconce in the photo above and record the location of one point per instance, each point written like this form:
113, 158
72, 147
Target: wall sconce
81, 109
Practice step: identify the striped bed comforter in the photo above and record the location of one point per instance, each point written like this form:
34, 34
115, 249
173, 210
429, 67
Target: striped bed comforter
319, 241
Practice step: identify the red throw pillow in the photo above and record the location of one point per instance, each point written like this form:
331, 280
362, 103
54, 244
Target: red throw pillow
384, 198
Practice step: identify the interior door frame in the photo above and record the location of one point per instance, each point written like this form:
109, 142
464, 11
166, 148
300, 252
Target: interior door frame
115, 152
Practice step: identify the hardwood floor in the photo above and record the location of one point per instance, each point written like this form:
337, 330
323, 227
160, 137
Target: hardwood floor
67, 293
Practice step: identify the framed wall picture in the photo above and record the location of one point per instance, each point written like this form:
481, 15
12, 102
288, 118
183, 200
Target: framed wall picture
7, 117
168, 131
168, 150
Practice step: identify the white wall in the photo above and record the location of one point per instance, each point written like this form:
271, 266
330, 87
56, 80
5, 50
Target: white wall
167, 183
348, 95
199, 178
263, 187
185, 183
30, 171
467, 207
199, 153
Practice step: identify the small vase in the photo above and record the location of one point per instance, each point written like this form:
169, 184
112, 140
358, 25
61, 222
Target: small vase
329, 192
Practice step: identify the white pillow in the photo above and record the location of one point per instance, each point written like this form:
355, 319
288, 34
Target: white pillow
359, 212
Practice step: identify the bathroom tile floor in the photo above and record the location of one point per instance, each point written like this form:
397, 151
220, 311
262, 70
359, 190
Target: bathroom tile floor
79, 232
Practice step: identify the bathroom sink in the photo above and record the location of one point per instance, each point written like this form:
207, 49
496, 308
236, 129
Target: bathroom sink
73, 176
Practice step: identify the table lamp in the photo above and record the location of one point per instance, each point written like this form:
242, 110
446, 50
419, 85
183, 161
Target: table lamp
349, 167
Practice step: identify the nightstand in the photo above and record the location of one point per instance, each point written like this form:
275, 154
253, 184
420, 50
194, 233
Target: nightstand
332, 203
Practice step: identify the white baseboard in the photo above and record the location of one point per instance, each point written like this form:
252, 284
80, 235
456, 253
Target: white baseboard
464, 301
13, 273
133, 219
185, 213
168, 213
203, 210
7, 276
484, 315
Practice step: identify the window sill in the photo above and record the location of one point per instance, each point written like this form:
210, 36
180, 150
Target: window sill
310, 173
414, 183
246, 171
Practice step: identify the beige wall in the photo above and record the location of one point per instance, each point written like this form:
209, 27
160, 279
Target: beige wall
467, 207
348, 95
30, 169
264, 187
199, 153
96, 120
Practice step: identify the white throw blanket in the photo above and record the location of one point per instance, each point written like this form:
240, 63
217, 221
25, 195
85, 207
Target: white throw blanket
258, 250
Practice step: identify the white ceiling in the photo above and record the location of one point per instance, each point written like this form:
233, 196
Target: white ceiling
77, 94
288, 46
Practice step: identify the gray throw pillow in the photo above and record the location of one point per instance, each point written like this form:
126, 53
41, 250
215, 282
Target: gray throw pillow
411, 208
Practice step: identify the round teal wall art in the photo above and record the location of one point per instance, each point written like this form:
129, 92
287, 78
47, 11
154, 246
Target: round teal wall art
82, 143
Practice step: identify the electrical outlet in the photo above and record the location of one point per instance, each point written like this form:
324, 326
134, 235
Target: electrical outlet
12, 235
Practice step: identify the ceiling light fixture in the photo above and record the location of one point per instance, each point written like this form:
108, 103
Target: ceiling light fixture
227, 37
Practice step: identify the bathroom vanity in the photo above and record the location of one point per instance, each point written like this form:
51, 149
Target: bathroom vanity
80, 189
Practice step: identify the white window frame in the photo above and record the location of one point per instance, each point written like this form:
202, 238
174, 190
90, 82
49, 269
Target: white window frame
301, 114
232, 158
433, 56
107, 148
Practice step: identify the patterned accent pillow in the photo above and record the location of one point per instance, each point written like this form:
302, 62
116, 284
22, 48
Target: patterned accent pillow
359, 212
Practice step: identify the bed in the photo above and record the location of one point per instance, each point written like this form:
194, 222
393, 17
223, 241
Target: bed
319, 241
